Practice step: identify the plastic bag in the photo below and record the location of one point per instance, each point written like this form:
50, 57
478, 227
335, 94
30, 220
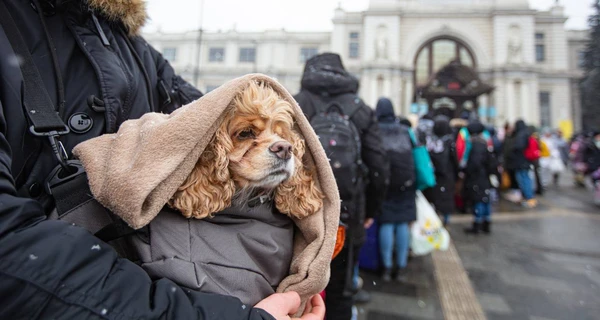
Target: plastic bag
427, 233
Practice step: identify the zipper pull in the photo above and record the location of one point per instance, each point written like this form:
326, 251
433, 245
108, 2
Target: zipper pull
100, 31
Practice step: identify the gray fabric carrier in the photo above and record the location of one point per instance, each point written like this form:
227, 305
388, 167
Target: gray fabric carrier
243, 252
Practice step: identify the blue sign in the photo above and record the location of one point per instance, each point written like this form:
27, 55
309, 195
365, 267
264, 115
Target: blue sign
414, 108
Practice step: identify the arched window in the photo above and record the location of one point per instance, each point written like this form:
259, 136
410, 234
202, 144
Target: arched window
437, 53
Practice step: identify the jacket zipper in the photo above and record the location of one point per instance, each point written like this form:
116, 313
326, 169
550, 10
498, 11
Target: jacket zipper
100, 31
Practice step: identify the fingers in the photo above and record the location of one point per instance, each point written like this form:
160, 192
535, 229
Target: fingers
290, 301
280, 305
318, 309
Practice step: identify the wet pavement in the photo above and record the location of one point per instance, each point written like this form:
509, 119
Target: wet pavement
539, 264
416, 298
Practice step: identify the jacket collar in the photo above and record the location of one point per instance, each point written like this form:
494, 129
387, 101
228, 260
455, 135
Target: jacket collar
131, 13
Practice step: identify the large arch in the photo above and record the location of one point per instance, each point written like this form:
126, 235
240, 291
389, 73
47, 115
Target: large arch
475, 42
437, 52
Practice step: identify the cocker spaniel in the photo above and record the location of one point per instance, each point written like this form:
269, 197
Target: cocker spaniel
256, 151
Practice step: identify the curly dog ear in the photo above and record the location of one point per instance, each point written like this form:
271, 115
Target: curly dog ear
299, 196
209, 188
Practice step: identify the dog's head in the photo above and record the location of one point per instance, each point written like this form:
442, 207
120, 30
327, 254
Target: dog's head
256, 149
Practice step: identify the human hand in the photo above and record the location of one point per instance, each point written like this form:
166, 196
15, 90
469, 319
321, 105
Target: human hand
281, 305
368, 223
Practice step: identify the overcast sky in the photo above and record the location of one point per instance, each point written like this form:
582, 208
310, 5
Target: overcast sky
294, 15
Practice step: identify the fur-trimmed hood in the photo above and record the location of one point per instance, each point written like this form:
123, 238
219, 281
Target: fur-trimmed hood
131, 13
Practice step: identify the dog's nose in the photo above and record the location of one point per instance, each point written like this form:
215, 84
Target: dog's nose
282, 149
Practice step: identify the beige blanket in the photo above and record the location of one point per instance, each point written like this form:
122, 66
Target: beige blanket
135, 172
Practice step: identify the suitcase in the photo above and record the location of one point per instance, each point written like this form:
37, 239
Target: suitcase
369, 253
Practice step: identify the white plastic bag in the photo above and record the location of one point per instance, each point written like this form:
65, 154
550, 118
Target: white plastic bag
427, 233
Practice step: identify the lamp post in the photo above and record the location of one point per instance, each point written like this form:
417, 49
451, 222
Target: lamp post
198, 46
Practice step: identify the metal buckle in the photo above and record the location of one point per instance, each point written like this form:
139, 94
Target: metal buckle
57, 176
57, 146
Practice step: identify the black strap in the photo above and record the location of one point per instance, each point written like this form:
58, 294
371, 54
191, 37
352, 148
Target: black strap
71, 194
114, 231
37, 103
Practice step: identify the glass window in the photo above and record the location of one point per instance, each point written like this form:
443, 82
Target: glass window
545, 114
422, 72
540, 54
539, 36
444, 52
247, 54
170, 54
354, 45
307, 53
465, 58
581, 59
216, 54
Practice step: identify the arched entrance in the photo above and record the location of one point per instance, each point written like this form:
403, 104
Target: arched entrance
445, 76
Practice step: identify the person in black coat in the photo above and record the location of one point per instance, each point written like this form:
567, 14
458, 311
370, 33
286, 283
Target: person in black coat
442, 149
97, 73
517, 162
399, 207
478, 188
325, 80
591, 156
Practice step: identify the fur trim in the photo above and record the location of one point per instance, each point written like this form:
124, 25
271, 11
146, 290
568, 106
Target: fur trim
132, 13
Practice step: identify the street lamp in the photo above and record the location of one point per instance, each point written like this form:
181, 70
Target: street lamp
198, 46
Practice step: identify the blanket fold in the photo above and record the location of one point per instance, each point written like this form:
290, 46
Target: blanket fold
135, 172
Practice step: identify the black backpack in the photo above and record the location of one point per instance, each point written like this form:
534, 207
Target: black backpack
341, 140
399, 148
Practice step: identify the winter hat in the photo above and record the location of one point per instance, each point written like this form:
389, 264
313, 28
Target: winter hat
385, 109
475, 127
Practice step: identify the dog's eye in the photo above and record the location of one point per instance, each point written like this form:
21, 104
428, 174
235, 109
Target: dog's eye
246, 134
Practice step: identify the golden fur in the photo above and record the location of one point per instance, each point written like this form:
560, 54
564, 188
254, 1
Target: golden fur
238, 161
131, 13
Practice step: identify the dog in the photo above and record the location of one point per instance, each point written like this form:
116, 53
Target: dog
255, 151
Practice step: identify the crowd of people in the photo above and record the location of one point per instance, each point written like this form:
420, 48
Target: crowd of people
125, 78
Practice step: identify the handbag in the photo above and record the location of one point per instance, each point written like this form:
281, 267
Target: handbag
506, 182
428, 232
425, 173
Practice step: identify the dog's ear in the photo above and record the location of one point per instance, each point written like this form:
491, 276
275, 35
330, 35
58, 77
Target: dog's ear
209, 188
299, 196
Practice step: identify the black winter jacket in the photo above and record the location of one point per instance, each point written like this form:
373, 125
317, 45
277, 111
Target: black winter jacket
481, 164
591, 156
515, 157
51, 269
442, 149
399, 205
325, 78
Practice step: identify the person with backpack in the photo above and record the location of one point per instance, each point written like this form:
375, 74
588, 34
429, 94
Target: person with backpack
72, 71
350, 135
442, 150
399, 207
481, 165
519, 158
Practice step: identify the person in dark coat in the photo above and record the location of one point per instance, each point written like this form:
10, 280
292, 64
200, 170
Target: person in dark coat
97, 72
442, 150
478, 188
399, 207
516, 161
325, 80
591, 156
